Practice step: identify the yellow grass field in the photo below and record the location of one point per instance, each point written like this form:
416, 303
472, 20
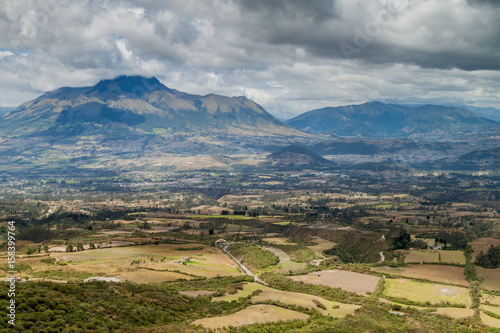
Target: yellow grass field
322, 245
494, 309
456, 313
490, 321
250, 315
349, 281
157, 263
438, 273
276, 240
293, 298
490, 298
426, 292
491, 278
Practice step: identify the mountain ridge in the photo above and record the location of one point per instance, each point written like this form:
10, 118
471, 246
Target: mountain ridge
134, 109
376, 119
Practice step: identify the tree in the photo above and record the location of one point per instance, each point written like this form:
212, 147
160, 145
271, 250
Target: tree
69, 247
45, 248
91, 245
79, 247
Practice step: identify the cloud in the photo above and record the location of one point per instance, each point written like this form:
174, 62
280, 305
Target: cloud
288, 55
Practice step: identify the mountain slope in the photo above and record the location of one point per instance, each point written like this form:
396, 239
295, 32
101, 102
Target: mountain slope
4, 110
490, 113
141, 103
376, 119
144, 114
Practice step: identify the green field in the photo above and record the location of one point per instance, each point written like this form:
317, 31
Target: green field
436, 256
428, 293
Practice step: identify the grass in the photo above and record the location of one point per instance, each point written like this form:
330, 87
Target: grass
493, 309
334, 309
491, 278
422, 256
437, 273
250, 315
426, 292
490, 321
276, 240
453, 257
321, 245
253, 256
247, 290
349, 281
434, 256
117, 262
456, 313
491, 298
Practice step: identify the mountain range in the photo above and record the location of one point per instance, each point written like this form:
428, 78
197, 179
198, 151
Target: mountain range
136, 117
133, 113
490, 113
379, 120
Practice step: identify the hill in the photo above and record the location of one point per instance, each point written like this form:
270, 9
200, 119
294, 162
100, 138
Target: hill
379, 120
293, 157
133, 113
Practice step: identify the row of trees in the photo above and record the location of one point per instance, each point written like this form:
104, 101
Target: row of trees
79, 247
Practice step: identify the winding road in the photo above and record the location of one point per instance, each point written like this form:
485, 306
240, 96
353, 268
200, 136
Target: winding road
243, 267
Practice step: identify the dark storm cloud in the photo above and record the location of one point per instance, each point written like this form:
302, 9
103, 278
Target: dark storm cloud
319, 10
289, 55
447, 35
484, 2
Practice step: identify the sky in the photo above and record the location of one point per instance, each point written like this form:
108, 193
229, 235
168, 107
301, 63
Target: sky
290, 56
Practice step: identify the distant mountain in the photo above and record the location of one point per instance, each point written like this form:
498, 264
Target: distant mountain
378, 120
133, 113
4, 110
293, 157
490, 113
